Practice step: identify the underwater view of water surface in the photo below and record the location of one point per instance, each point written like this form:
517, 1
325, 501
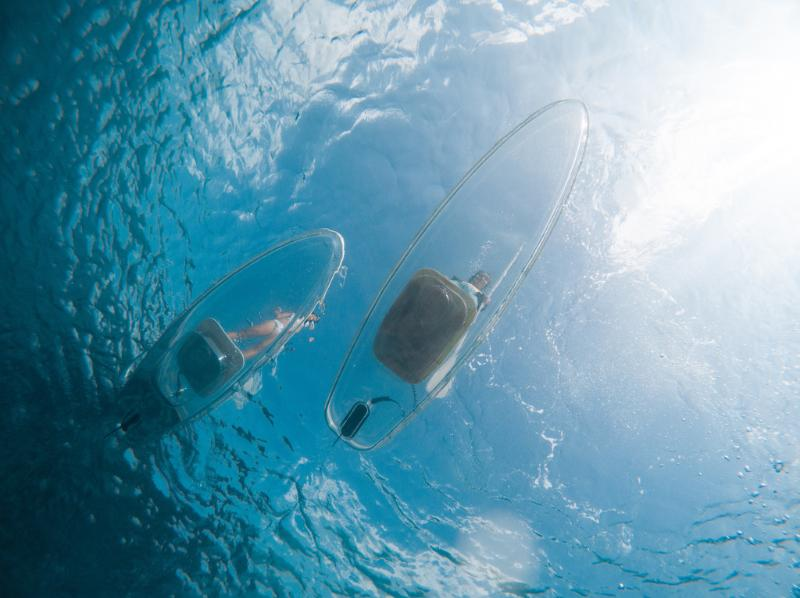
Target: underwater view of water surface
628, 428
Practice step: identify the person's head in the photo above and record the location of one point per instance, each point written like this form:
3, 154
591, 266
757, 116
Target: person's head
480, 280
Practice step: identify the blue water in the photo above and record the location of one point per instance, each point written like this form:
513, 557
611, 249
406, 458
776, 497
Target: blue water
629, 427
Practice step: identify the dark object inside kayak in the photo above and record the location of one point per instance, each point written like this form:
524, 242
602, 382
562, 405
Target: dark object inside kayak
208, 358
354, 419
423, 325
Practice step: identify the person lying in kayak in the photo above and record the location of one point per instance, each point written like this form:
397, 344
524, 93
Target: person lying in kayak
268, 330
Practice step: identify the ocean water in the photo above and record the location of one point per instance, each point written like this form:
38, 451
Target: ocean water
630, 427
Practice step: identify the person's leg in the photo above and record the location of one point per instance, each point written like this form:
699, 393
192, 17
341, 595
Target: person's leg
256, 349
263, 329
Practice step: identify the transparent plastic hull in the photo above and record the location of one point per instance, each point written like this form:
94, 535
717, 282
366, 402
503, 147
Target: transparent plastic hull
176, 381
496, 219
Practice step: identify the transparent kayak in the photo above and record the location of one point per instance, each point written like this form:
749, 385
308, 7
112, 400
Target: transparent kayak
458, 275
239, 324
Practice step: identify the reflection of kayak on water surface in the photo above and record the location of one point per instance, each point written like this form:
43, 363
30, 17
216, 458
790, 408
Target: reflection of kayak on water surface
427, 319
212, 352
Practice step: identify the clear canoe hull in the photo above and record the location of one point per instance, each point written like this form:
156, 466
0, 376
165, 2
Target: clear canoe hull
497, 220
204, 358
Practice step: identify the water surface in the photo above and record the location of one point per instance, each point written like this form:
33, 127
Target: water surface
629, 426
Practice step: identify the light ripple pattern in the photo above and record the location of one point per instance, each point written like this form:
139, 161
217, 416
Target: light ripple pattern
629, 427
